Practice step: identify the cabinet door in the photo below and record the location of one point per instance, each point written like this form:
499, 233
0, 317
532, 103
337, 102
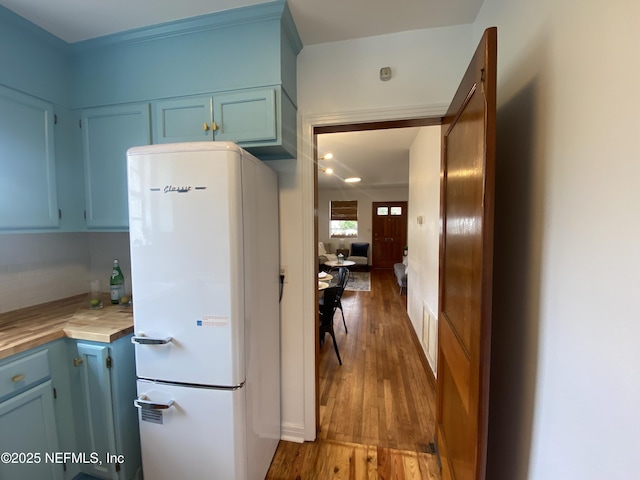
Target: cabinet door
28, 182
28, 424
185, 119
107, 134
246, 117
97, 407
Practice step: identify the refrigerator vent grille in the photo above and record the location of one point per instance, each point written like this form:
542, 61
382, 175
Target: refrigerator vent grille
152, 416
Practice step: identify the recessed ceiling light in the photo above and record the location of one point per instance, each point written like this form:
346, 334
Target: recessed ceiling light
352, 179
327, 156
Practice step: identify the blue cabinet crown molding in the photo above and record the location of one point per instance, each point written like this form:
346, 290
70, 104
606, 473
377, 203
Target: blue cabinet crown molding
229, 18
291, 31
202, 55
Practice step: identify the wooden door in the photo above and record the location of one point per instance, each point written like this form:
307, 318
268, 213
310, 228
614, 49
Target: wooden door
389, 231
466, 268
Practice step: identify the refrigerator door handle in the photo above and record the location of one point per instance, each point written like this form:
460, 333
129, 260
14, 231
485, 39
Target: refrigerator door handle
144, 404
142, 340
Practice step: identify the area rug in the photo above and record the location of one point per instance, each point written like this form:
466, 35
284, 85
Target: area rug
359, 282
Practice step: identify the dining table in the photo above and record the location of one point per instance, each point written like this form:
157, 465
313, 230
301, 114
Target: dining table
343, 263
324, 281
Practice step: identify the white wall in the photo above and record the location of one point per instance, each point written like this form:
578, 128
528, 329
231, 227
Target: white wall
291, 324
344, 76
364, 197
424, 238
566, 361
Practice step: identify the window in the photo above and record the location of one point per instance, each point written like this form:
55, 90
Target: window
385, 211
344, 219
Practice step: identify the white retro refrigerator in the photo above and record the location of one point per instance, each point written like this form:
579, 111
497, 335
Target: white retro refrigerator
203, 221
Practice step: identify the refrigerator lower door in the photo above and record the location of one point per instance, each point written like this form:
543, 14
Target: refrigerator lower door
188, 432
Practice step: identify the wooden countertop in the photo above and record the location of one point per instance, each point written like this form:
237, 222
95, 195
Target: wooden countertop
30, 327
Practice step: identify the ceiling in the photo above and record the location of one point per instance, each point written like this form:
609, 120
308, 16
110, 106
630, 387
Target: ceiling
318, 21
379, 157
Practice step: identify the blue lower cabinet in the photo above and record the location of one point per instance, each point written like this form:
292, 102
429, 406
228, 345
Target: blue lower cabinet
66, 408
104, 390
29, 435
33, 423
98, 432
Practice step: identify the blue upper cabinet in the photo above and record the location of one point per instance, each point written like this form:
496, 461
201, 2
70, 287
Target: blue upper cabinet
235, 70
28, 198
107, 134
247, 117
185, 119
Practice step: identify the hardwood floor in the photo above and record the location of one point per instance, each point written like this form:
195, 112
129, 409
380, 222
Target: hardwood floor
326, 459
377, 410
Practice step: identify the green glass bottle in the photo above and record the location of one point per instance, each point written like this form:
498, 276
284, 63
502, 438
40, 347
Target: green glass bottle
117, 283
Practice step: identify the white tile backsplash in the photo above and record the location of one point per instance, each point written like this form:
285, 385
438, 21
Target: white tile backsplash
103, 249
41, 267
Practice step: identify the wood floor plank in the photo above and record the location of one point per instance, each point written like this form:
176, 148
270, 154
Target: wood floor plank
377, 410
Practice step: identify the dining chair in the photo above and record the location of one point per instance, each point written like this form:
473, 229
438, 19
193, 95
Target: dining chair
343, 279
327, 311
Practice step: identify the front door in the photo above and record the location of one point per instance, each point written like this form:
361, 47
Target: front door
389, 225
466, 268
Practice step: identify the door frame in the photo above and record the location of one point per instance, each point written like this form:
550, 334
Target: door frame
308, 129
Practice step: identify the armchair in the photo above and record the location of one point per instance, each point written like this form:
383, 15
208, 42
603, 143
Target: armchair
400, 271
360, 255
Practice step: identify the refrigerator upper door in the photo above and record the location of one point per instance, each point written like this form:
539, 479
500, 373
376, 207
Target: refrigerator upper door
185, 220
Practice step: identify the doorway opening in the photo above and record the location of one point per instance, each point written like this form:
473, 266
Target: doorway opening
321, 164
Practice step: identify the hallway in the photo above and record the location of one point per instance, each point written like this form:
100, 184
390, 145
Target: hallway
377, 410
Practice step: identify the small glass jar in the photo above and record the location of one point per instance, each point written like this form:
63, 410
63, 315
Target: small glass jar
95, 295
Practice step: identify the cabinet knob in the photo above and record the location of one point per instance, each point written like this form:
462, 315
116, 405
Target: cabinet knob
214, 126
77, 361
205, 127
17, 378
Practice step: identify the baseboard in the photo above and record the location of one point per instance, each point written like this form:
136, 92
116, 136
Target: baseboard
290, 432
423, 357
